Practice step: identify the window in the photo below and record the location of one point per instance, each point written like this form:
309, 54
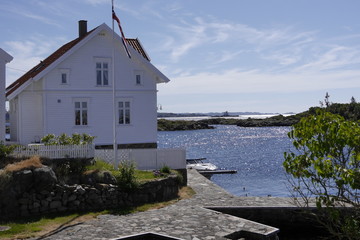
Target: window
81, 113
102, 73
64, 76
124, 112
138, 79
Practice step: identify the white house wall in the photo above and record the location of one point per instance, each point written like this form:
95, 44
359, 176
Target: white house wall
61, 117
80, 66
13, 112
30, 110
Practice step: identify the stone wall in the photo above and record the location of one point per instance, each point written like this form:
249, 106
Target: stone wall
27, 195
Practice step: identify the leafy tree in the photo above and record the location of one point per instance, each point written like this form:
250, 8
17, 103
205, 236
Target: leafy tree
326, 168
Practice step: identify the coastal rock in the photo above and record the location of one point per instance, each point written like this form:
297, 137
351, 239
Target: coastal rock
44, 177
94, 177
180, 125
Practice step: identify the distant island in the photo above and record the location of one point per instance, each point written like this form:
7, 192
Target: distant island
213, 114
350, 111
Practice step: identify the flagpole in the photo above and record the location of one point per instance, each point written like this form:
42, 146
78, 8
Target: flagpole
115, 148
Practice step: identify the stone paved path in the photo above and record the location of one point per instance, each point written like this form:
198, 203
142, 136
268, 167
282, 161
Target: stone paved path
186, 219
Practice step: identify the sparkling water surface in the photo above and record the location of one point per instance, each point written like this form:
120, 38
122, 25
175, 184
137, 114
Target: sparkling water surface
256, 153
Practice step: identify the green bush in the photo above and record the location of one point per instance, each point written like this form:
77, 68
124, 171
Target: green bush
5, 150
126, 178
165, 169
326, 168
64, 139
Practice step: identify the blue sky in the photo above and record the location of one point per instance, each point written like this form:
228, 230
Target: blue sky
221, 55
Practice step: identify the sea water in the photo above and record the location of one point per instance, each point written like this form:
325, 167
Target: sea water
256, 153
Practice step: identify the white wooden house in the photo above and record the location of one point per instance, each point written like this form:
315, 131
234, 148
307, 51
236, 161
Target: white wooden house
4, 59
71, 91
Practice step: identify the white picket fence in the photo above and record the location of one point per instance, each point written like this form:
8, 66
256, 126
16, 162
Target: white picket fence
146, 159
55, 151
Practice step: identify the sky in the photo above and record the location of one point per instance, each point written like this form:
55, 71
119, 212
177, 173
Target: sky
269, 56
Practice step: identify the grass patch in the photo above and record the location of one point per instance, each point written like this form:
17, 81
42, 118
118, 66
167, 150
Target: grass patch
140, 175
48, 225
34, 227
144, 176
101, 165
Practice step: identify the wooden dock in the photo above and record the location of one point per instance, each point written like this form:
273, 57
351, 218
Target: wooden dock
218, 172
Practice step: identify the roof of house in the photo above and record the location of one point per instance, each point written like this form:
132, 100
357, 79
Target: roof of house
135, 43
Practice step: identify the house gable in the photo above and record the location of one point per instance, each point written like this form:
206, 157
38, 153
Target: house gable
67, 49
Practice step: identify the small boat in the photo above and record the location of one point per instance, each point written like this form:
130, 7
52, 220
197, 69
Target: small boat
200, 164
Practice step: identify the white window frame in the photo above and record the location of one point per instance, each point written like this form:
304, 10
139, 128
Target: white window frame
64, 72
81, 105
102, 69
124, 112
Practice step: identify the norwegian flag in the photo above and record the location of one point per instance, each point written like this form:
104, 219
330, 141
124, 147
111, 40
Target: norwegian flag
123, 39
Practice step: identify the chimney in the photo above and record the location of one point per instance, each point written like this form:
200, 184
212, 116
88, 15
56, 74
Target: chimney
82, 28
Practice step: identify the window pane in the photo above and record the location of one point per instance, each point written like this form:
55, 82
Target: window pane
98, 77
127, 104
121, 116
77, 104
84, 117
98, 65
84, 105
77, 117
105, 65
138, 79
106, 79
127, 116
63, 78
121, 104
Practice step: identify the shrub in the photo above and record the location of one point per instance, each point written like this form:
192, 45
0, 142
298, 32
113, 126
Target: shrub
64, 139
165, 169
5, 150
126, 178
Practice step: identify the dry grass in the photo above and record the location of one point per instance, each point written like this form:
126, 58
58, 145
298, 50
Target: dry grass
32, 163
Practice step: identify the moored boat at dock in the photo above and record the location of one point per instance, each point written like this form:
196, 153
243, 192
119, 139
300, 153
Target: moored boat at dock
200, 164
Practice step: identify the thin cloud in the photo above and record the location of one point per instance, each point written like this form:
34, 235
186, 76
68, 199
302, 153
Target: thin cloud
227, 56
237, 81
189, 35
332, 58
96, 2
16, 10
28, 53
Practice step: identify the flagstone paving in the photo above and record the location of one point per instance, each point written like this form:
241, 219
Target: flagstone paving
186, 219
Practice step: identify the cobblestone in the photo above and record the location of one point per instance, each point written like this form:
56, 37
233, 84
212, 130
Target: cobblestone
186, 219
